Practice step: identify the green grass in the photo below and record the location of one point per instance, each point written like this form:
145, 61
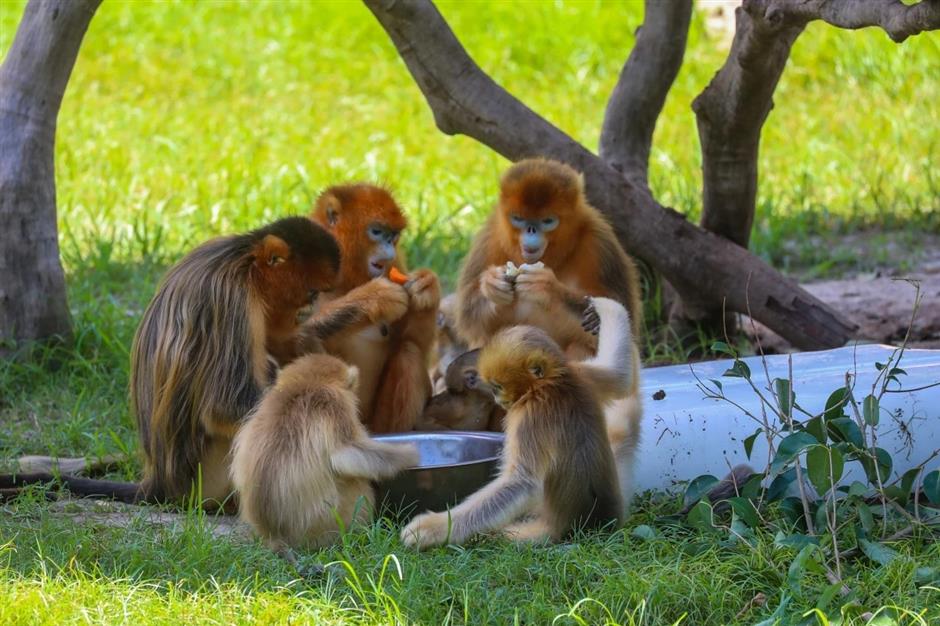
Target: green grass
186, 120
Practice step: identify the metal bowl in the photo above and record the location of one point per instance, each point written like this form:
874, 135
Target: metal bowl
453, 464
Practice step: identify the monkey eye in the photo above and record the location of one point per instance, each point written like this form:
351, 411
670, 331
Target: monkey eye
516, 221
376, 233
275, 260
549, 223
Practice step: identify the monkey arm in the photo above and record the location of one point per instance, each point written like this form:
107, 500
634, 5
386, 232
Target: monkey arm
490, 508
373, 460
376, 301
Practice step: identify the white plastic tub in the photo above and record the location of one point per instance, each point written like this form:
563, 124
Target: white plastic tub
685, 434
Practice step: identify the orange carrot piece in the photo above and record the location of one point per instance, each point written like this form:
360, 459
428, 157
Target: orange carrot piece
397, 276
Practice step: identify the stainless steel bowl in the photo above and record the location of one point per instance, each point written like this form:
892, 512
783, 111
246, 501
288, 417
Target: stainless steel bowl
453, 465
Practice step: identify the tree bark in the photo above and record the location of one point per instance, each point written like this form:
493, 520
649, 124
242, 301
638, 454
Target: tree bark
32, 82
731, 112
705, 269
641, 90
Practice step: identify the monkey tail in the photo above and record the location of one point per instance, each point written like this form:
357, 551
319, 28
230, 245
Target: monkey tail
131, 493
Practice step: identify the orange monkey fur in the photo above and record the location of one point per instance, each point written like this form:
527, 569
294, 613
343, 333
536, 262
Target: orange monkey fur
392, 352
582, 258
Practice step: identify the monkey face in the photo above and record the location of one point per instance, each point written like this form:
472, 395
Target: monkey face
518, 360
383, 251
538, 202
367, 222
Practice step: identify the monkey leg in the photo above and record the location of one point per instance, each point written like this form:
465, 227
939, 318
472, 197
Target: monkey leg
403, 392
623, 429
533, 530
490, 508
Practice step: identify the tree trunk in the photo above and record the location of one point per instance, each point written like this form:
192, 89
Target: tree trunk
702, 267
641, 90
32, 82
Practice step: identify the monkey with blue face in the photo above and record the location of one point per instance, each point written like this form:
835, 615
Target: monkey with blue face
542, 250
385, 329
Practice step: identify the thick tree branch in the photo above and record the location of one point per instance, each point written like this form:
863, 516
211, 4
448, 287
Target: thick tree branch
32, 82
703, 267
640, 93
897, 19
731, 111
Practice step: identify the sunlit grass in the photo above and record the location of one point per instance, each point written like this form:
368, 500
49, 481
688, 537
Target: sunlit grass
186, 120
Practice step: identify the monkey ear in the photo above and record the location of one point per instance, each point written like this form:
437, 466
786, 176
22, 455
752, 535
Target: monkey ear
331, 208
352, 377
271, 251
537, 367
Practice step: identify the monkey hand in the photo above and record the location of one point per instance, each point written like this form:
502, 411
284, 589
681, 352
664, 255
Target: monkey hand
538, 285
428, 530
495, 287
590, 319
425, 290
382, 300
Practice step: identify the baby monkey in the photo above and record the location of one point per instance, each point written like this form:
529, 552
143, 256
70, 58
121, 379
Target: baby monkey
557, 468
302, 462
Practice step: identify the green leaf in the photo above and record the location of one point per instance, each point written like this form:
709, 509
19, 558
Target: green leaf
799, 566
817, 428
791, 509
857, 488
738, 370
824, 466
739, 530
865, 518
926, 575
795, 540
779, 486
778, 615
908, 479
845, 429
931, 486
790, 448
883, 465
749, 442
644, 532
717, 383
870, 410
700, 517
835, 405
785, 395
744, 509
722, 348
877, 552
752, 486
699, 486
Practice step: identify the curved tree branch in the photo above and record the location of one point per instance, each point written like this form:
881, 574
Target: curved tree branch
708, 270
897, 19
641, 90
32, 82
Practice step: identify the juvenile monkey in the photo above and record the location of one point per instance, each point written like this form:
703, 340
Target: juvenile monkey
556, 465
543, 218
464, 403
392, 350
200, 357
302, 462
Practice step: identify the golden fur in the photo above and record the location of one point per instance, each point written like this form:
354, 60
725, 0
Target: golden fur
302, 462
557, 467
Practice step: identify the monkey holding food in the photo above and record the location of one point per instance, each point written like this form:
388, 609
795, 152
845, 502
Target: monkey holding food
542, 250
303, 461
557, 468
392, 350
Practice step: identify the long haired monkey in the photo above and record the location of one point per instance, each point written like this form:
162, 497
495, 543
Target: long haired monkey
557, 466
303, 461
200, 357
392, 352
